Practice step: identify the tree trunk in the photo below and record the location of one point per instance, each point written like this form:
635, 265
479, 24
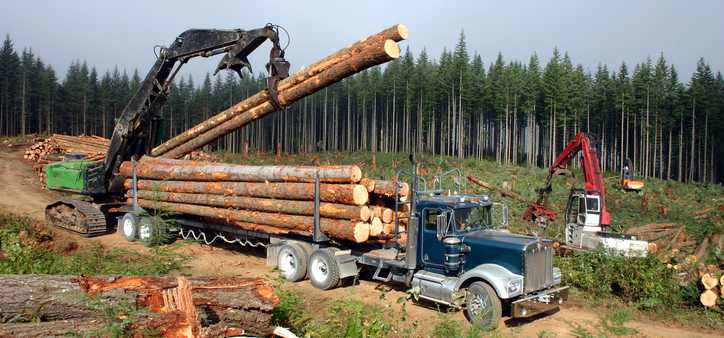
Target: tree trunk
64, 304
354, 231
377, 52
158, 168
331, 210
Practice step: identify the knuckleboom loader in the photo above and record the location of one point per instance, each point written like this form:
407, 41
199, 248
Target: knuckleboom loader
450, 252
97, 184
587, 218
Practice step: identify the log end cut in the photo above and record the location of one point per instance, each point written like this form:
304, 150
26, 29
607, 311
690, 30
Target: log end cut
361, 232
392, 50
360, 196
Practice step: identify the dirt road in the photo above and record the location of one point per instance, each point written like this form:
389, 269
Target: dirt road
21, 194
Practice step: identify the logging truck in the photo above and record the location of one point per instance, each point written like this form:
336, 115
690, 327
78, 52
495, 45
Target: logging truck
454, 250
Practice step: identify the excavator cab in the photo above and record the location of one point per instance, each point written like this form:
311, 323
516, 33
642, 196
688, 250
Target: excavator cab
628, 183
584, 209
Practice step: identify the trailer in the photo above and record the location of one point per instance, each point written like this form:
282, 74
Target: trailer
450, 253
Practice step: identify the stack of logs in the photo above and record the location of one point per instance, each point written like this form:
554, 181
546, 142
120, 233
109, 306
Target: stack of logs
55, 306
272, 199
48, 150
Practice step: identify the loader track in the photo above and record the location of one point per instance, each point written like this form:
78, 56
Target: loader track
80, 217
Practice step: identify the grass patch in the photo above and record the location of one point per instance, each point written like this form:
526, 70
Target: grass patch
27, 248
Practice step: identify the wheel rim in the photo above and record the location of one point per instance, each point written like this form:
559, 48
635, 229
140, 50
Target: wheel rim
480, 308
144, 232
287, 264
320, 270
128, 227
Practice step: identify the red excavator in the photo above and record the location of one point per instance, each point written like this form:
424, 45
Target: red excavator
587, 219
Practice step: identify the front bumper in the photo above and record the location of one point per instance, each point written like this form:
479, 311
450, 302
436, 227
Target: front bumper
540, 302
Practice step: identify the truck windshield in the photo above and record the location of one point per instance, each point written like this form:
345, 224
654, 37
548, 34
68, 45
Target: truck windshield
471, 219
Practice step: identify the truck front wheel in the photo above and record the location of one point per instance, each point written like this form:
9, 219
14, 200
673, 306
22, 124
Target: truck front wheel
482, 305
323, 269
292, 262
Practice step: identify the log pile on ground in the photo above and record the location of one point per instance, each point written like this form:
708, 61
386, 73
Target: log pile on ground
51, 149
371, 51
49, 306
274, 199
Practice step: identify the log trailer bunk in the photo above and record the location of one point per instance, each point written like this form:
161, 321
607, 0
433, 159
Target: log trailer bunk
453, 254
587, 219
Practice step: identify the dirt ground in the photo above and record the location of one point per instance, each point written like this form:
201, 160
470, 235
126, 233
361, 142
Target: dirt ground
20, 193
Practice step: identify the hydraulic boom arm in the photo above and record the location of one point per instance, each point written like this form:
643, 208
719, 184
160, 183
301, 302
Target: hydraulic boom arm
135, 131
591, 170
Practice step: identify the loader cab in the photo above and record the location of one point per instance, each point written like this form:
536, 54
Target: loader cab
584, 209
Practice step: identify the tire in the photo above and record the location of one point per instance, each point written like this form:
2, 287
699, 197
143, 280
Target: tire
129, 227
482, 305
292, 262
323, 271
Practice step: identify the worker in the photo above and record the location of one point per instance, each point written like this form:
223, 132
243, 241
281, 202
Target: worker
627, 173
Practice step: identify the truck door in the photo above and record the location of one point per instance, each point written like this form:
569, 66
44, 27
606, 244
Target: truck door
431, 248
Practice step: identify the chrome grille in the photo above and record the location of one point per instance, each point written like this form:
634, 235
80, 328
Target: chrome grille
538, 267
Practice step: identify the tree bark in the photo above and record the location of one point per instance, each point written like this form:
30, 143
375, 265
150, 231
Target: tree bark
159, 168
344, 229
332, 193
331, 210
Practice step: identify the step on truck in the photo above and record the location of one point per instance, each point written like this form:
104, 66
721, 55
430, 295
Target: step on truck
450, 253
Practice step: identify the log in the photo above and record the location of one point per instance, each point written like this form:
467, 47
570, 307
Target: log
708, 298
368, 183
343, 229
387, 215
57, 328
332, 193
387, 189
44, 305
331, 210
396, 33
375, 53
709, 281
503, 192
376, 227
171, 169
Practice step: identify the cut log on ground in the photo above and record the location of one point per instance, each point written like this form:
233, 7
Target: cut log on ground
331, 210
395, 33
44, 305
709, 281
373, 52
709, 298
503, 192
333, 193
343, 229
170, 169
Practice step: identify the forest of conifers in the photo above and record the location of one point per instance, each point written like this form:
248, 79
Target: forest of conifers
516, 112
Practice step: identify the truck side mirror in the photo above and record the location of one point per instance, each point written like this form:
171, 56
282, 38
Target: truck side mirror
441, 221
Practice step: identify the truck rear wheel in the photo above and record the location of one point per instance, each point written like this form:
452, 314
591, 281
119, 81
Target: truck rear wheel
292, 262
129, 227
323, 270
482, 305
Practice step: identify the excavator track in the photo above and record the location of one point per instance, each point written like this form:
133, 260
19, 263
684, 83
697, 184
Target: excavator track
80, 217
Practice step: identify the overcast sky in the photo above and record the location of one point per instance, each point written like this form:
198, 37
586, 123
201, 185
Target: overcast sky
122, 33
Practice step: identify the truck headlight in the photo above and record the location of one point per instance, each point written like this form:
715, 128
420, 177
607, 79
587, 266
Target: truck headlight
515, 286
556, 275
